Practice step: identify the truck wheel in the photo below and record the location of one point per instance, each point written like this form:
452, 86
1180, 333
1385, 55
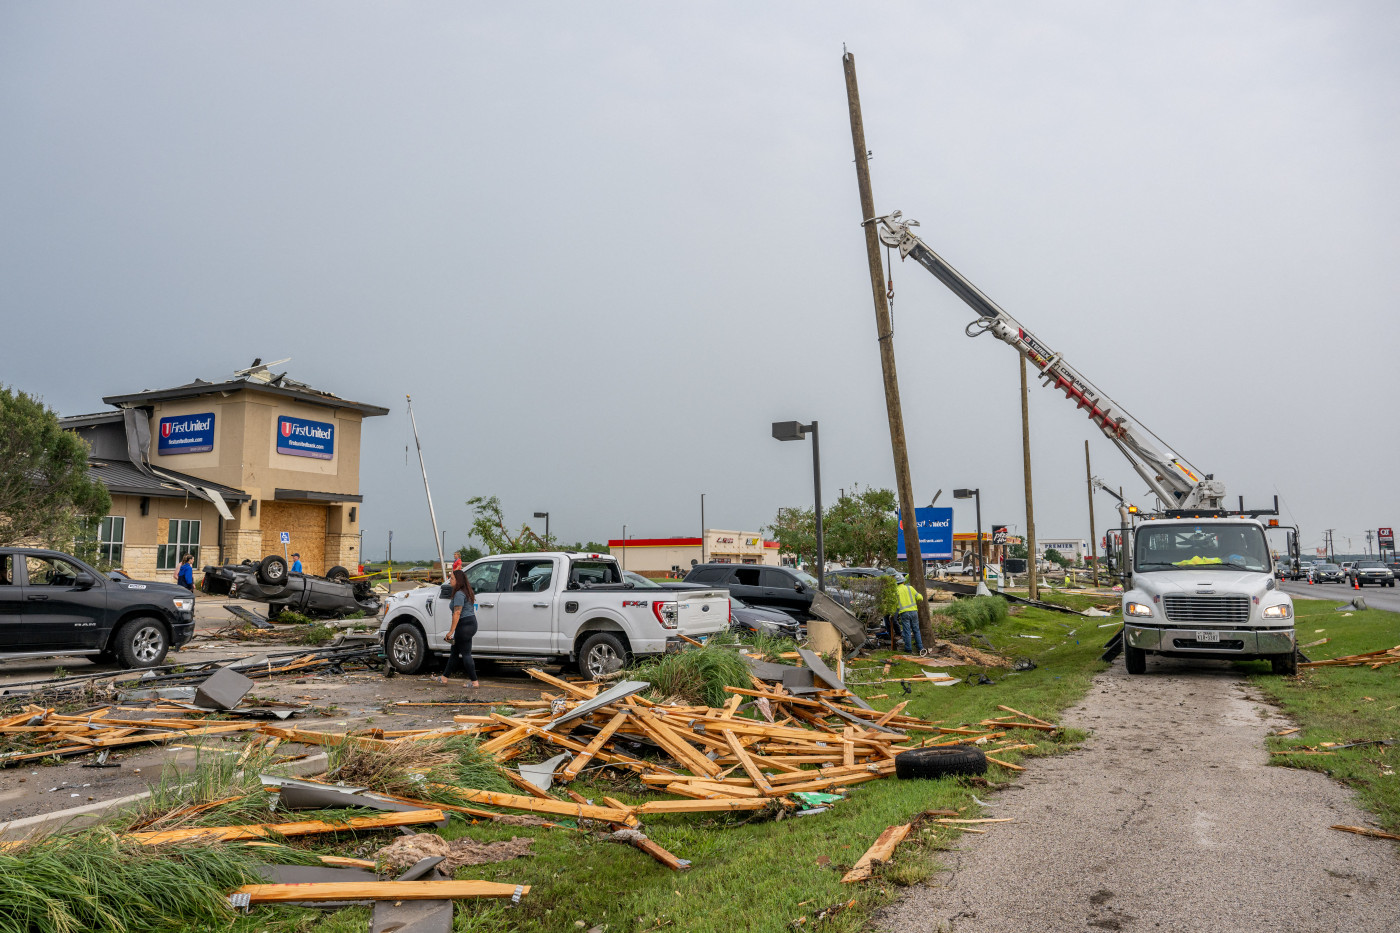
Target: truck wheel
272, 571
939, 762
1285, 665
338, 574
407, 649
141, 643
1135, 659
602, 653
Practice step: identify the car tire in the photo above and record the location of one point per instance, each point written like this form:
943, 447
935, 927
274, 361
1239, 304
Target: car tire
338, 574
928, 763
141, 643
1284, 665
602, 653
406, 648
1134, 659
272, 571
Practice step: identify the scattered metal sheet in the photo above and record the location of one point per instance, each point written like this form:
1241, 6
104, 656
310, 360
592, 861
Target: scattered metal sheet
272, 780
224, 690
542, 775
312, 874
798, 678
856, 720
766, 670
611, 695
422, 868
411, 917
827, 676
243, 614
330, 798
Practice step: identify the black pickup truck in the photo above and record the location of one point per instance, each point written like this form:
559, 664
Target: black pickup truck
51, 604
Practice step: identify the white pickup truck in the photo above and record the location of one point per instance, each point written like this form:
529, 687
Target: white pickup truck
551, 606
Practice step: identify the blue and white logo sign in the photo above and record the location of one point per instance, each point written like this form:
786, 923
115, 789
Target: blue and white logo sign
301, 438
186, 434
286, 537
935, 534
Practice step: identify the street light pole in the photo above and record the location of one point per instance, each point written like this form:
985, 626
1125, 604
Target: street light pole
545, 516
981, 564
796, 431
702, 528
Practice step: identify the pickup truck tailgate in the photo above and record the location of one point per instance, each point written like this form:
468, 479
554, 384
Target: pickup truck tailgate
702, 612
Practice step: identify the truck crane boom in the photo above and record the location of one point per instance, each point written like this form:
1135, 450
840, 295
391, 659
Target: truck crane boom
1169, 475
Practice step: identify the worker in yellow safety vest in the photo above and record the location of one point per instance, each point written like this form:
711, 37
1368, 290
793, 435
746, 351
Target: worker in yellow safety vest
909, 616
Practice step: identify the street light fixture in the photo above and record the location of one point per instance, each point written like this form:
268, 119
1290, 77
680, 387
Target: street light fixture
796, 431
975, 494
545, 516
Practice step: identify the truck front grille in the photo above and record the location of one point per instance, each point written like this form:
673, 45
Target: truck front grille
1216, 610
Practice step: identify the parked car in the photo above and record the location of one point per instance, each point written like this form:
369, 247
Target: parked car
647, 583
757, 620
776, 587
955, 568
1372, 571
1326, 573
51, 603
269, 581
555, 606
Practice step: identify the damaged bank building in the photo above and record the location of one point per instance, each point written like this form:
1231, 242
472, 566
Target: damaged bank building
222, 470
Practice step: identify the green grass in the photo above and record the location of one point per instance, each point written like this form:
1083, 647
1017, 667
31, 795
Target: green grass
694, 676
1344, 704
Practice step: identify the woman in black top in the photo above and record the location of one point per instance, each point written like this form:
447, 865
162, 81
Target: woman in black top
463, 627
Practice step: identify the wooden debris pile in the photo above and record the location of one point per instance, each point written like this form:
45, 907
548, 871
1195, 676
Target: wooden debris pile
1371, 659
40, 732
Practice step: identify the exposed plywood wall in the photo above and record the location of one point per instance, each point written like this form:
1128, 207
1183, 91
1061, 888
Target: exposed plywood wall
307, 524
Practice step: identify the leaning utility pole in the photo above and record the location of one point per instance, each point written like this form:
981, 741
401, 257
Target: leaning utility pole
1093, 541
884, 333
1030, 504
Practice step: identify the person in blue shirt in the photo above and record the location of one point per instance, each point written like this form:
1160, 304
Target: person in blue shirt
185, 575
296, 563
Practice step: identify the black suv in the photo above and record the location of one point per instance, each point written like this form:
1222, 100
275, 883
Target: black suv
51, 603
758, 585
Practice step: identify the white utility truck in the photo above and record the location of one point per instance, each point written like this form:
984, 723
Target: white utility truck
1202, 581
557, 606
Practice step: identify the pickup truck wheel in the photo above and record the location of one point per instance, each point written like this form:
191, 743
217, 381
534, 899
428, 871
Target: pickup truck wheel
1285, 665
141, 643
272, 571
1135, 659
602, 653
338, 574
407, 648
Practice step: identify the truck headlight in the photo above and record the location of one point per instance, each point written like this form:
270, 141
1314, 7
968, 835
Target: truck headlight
184, 603
1137, 609
1281, 611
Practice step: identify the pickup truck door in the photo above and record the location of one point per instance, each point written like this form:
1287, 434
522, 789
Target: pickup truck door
525, 607
57, 612
12, 634
485, 579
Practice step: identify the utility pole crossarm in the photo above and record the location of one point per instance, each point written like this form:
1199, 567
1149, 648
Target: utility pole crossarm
1170, 476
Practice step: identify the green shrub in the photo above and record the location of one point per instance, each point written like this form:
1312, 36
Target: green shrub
978, 611
697, 675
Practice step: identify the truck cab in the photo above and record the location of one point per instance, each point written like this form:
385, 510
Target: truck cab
1204, 587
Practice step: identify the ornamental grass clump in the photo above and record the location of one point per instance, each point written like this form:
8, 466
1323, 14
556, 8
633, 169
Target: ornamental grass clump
696, 676
978, 611
411, 769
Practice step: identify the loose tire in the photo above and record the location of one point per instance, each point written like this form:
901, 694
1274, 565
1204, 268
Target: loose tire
141, 643
1285, 665
601, 653
338, 574
924, 763
406, 648
1134, 659
272, 571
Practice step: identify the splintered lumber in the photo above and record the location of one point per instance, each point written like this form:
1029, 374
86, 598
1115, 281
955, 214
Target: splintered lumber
1009, 724
1363, 831
534, 805
877, 854
1374, 659
747, 763
1005, 764
303, 828
379, 891
1016, 712
339, 861
593, 747
332, 739
654, 807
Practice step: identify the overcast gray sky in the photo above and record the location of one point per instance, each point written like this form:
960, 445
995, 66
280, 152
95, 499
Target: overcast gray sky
605, 245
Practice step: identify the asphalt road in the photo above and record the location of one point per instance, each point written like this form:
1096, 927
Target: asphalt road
1377, 597
1169, 819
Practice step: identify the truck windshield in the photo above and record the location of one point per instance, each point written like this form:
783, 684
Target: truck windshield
1207, 546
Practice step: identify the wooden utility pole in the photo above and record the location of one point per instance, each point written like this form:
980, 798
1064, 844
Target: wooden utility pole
1030, 500
1093, 540
885, 336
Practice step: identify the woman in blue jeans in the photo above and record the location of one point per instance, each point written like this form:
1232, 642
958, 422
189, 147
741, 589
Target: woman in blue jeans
463, 628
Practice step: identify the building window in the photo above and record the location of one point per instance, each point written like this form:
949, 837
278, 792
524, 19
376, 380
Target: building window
183, 539
111, 532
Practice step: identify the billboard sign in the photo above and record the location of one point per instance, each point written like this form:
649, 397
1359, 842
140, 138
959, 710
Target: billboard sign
935, 534
298, 437
1387, 537
186, 434
999, 534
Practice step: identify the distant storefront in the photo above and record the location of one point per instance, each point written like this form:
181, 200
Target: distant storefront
661, 556
222, 470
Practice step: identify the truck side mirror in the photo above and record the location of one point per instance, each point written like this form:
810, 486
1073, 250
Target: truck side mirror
445, 591
84, 580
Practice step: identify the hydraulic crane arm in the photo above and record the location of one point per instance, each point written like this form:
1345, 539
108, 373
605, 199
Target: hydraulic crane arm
1170, 476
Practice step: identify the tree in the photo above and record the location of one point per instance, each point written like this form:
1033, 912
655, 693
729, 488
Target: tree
468, 553
1016, 550
590, 547
46, 494
860, 528
1055, 557
489, 527
795, 530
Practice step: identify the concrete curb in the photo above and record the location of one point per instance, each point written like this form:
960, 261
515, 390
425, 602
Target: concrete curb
75, 818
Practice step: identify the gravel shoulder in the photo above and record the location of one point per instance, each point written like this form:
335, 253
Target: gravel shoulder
1169, 819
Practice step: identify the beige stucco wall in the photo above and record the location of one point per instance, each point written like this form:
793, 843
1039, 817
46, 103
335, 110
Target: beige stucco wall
646, 560
143, 533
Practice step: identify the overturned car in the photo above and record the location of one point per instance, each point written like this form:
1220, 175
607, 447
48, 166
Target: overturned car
269, 581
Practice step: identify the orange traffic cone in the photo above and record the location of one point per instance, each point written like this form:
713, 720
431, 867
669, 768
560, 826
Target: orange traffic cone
1309, 581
